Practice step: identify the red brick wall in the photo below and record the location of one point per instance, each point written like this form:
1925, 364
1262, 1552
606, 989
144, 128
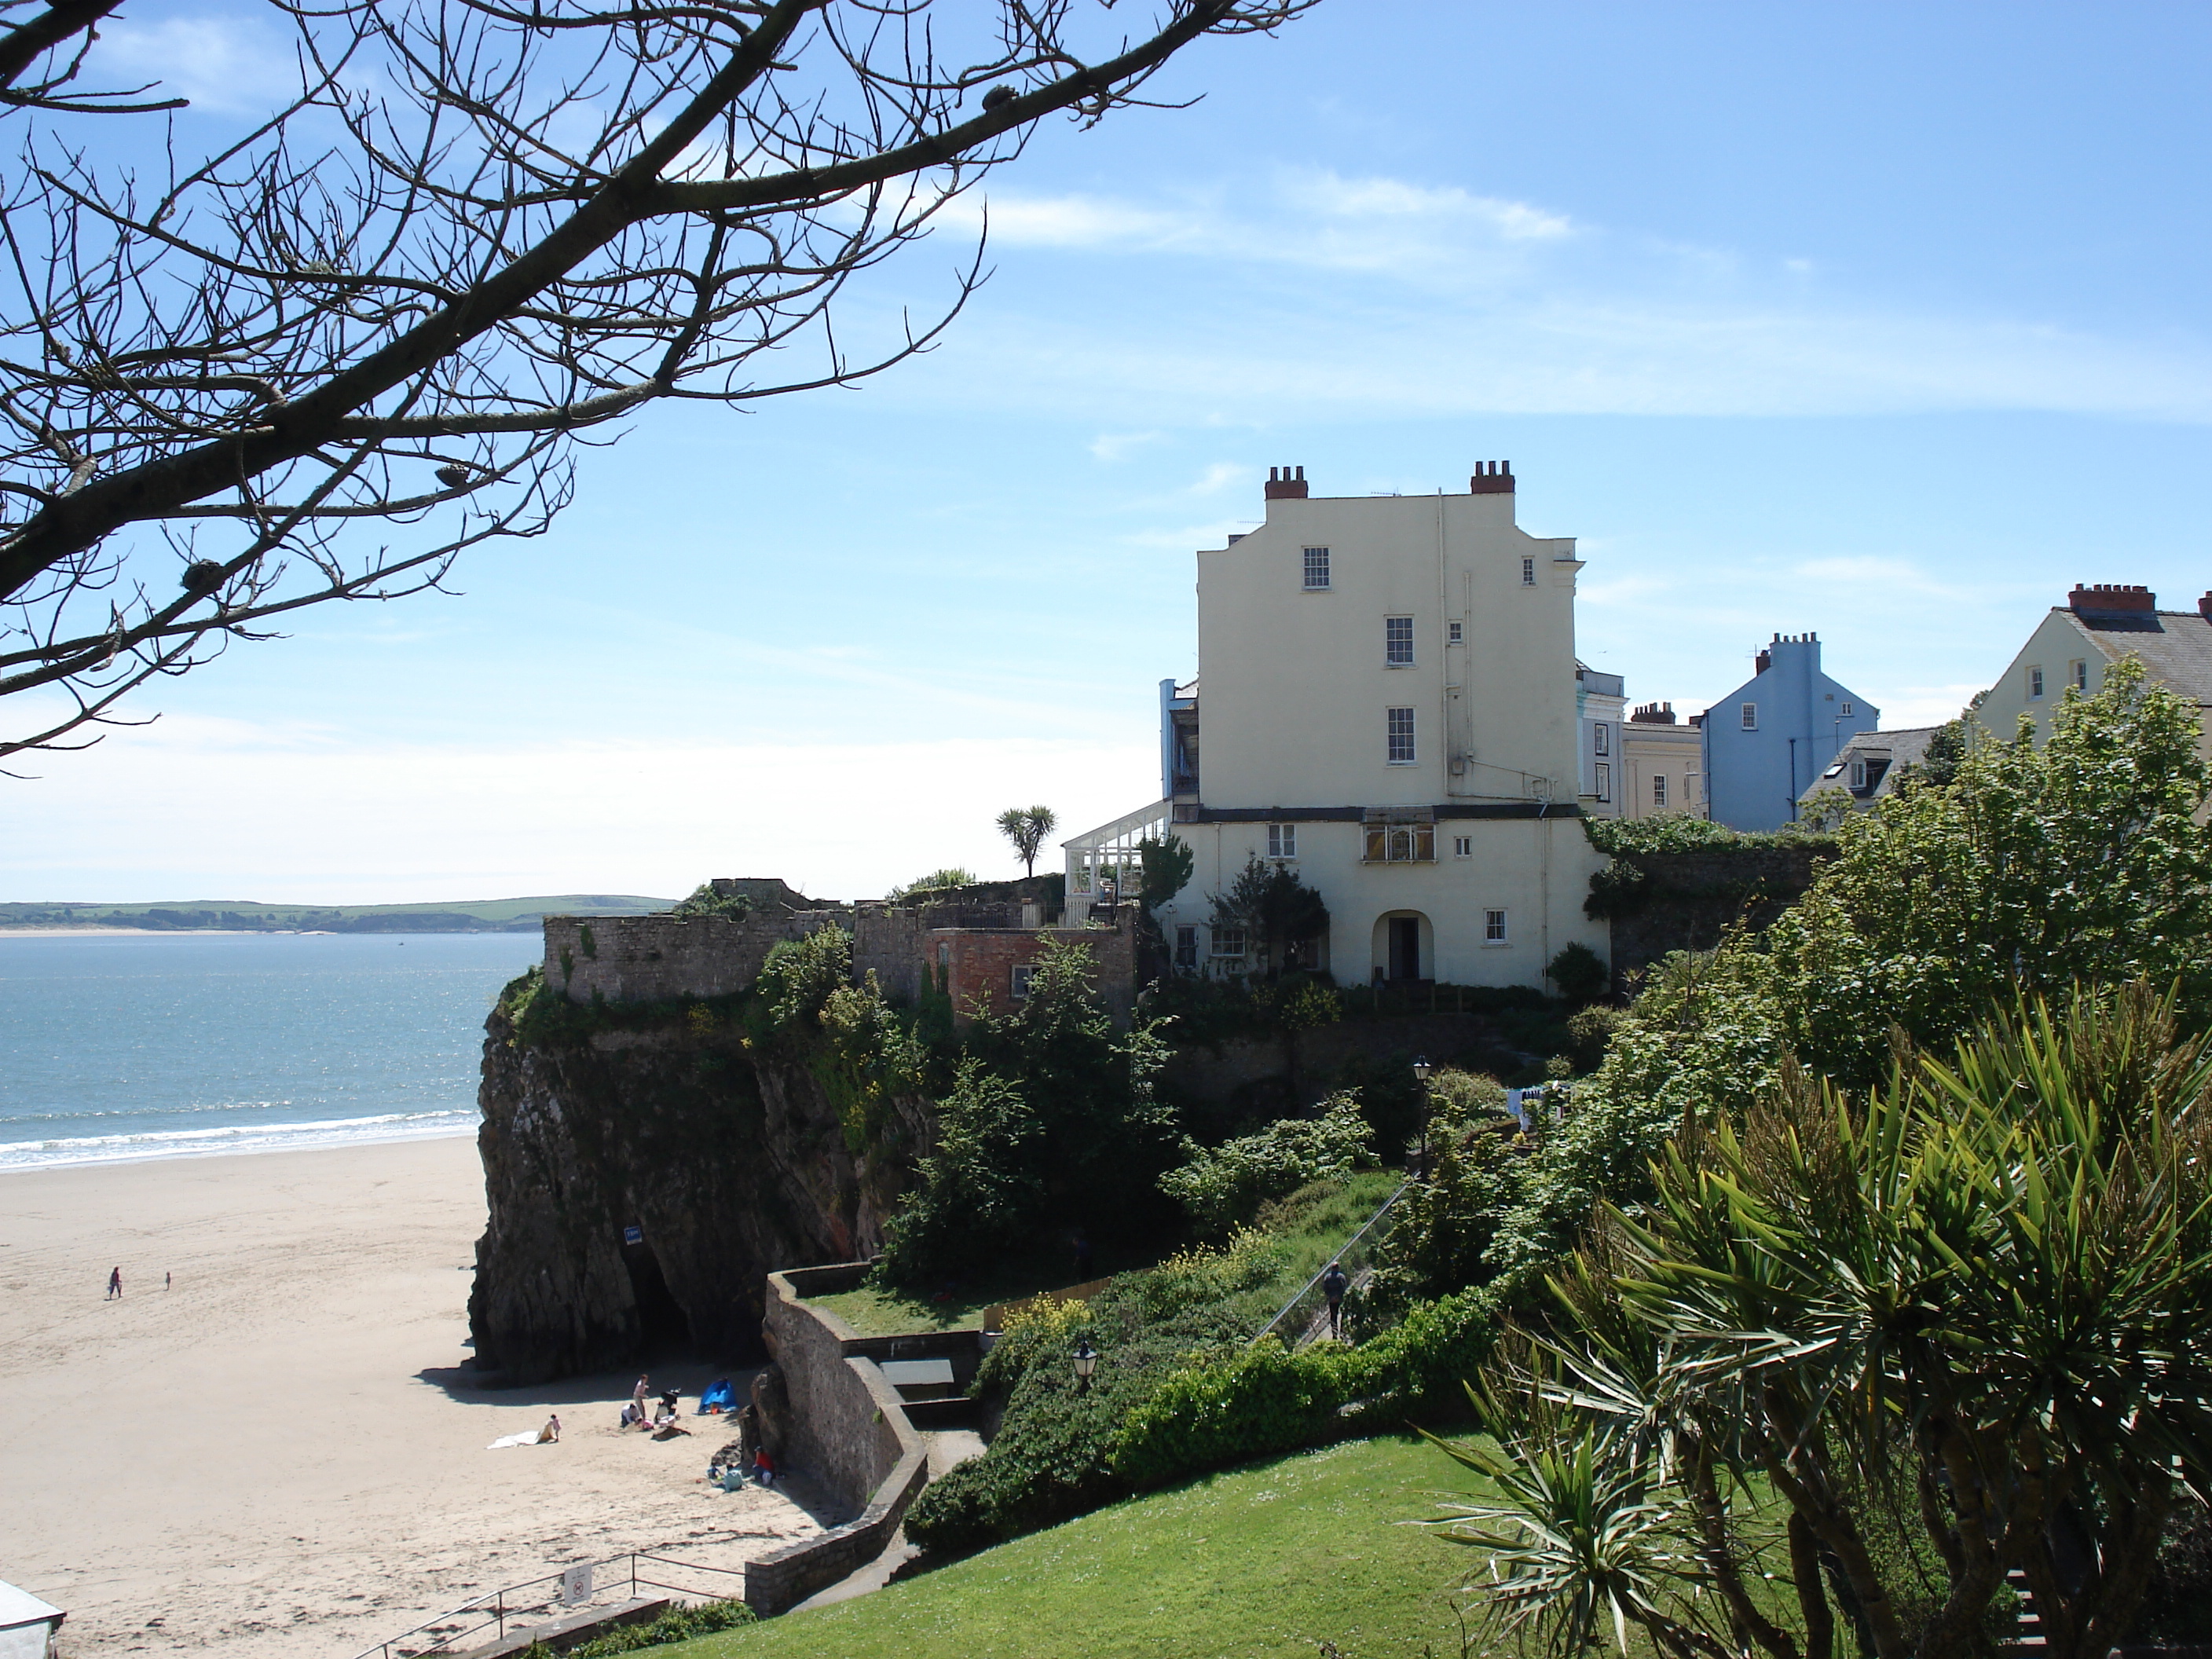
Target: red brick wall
982, 964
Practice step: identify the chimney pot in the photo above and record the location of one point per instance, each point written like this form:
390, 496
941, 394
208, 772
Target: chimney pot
2110, 598
1492, 478
1282, 487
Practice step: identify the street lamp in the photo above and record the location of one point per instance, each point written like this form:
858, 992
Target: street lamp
1086, 1362
1421, 1070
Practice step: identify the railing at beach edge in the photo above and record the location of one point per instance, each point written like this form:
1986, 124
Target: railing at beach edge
573, 1588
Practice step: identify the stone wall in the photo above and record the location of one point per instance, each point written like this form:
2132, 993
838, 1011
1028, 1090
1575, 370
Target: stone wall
848, 1428
1686, 900
659, 958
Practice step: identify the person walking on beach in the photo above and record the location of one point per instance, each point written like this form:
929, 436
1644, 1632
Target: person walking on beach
641, 1393
115, 1285
1333, 1284
168, 1281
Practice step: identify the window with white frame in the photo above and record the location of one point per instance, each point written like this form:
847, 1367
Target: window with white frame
1317, 569
2078, 672
1462, 847
1458, 633
1020, 987
2035, 682
1604, 781
1658, 789
1401, 728
1858, 775
1749, 715
1282, 840
1187, 947
1847, 708
1398, 641
1527, 573
1493, 928
1228, 941
1602, 739
1399, 843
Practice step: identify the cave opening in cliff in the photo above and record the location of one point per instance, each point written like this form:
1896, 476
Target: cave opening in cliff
662, 1322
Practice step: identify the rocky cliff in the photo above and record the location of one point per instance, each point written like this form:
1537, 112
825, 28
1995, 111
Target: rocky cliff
643, 1181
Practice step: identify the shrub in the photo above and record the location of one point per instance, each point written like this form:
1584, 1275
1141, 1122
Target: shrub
683, 1624
1442, 1228
1580, 974
1223, 1185
799, 977
705, 901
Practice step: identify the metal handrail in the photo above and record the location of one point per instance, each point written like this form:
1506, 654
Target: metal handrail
1344, 1251
501, 1610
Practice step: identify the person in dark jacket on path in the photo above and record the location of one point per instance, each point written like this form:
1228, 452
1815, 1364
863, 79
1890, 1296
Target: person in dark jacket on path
1333, 1284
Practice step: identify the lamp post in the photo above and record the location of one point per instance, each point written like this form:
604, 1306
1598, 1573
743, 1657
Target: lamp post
1421, 1070
1086, 1362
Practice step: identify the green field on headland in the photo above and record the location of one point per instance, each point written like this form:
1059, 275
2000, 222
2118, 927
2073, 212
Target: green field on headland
515, 915
1274, 1559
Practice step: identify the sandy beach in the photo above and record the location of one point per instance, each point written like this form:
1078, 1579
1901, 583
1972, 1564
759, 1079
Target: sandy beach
280, 1455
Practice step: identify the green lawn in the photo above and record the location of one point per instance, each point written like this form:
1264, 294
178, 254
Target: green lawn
1273, 1558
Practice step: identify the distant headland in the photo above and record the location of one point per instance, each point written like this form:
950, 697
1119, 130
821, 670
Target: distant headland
512, 915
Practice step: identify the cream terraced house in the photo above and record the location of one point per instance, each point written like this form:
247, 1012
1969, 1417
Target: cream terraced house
1386, 702
2098, 626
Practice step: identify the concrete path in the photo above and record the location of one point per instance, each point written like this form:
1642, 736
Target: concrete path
948, 1450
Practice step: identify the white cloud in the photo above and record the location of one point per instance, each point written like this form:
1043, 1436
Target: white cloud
225, 65
1119, 446
1394, 198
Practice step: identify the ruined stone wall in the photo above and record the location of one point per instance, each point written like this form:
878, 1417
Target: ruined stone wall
1660, 903
659, 958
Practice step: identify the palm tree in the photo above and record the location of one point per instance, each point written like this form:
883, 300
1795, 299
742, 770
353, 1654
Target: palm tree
1027, 827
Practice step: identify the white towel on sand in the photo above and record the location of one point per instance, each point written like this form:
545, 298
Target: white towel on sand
527, 1437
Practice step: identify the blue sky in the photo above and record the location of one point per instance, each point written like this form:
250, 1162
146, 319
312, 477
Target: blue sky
1887, 323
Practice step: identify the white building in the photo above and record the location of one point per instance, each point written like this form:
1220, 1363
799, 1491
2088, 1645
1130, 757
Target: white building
1388, 702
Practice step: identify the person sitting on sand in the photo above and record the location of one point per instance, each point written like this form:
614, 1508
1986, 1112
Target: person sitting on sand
632, 1418
550, 1434
764, 1467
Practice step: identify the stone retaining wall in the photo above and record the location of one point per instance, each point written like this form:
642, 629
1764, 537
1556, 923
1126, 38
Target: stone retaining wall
848, 1428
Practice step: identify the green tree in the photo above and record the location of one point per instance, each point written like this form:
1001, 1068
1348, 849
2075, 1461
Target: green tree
1166, 867
1027, 827
1092, 1142
1281, 916
2084, 859
1960, 1325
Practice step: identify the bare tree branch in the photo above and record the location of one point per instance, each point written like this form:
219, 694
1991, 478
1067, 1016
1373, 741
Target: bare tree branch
474, 235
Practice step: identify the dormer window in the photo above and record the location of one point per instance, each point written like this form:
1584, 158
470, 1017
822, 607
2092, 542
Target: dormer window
1858, 777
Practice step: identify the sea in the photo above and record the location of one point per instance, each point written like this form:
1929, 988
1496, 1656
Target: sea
117, 1046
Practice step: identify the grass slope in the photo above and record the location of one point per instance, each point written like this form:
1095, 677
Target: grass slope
1271, 1560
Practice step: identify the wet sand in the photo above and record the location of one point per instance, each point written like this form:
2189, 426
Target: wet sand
280, 1456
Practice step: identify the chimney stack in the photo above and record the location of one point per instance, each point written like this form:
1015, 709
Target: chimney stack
1764, 661
1492, 478
2106, 598
1282, 487
2205, 607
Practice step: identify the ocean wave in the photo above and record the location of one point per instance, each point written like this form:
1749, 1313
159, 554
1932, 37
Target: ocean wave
234, 1138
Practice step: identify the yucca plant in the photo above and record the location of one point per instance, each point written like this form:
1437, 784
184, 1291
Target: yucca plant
1986, 1286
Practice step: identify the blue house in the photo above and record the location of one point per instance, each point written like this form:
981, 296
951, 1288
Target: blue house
1777, 731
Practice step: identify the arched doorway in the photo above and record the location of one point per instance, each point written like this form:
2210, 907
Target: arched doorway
1405, 947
